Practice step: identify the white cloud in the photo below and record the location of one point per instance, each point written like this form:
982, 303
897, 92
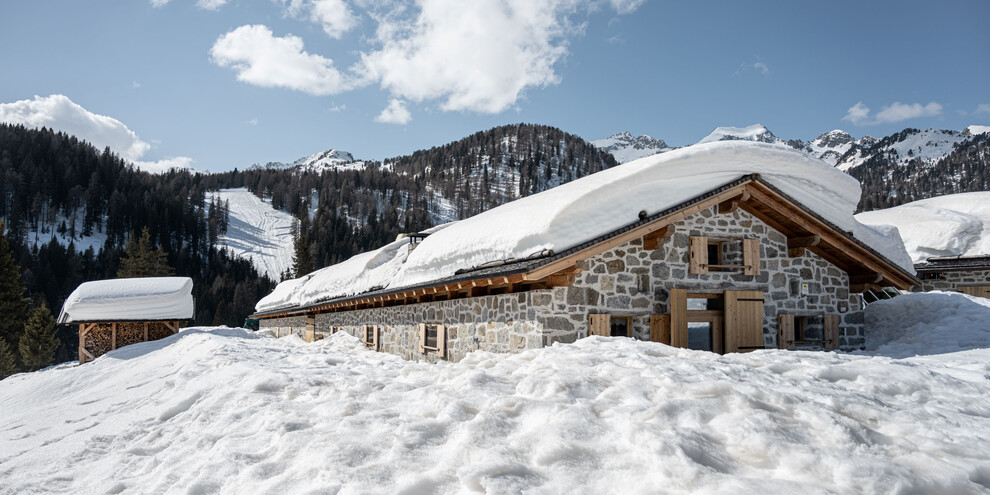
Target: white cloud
859, 114
338, 108
162, 166
334, 15
394, 113
159, 3
253, 121
758, 66
211, 4
478, 55
60, 113
262, 59
982, 109
626, 6
135, 84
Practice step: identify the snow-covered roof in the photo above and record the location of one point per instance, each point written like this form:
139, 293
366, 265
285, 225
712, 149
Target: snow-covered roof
581, 210
133, 299
951, 225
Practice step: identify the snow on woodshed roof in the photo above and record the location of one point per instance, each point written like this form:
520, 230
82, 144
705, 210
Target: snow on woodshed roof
581, 210
130, 299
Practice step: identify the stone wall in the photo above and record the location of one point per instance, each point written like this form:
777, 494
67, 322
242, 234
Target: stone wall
625, 281
631, 281
951, 281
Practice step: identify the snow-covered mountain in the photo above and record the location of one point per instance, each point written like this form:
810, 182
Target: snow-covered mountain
626, 148
331, 159
755, 132
927, 145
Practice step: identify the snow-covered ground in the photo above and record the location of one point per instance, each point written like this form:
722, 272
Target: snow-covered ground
223, 410
950, 225
258, 232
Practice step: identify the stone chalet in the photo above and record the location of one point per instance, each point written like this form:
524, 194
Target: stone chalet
739, 266
966, 274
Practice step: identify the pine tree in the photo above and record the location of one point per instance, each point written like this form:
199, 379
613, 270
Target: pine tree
38, 343
8, 365
302, 260
13, 304
140, 260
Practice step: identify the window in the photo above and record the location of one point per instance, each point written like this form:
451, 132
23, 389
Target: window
932, 276
370, 335
715, 255
433, 339
620, 326
704, 256
700, 335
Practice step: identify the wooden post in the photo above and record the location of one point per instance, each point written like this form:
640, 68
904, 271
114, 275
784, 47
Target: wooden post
145, 331
113, 336
82, 343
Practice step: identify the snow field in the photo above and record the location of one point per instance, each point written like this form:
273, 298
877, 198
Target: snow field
230, 411
257, 232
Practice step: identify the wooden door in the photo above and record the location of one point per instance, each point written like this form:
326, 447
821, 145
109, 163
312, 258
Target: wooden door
599, 324
830, 325
660, 329
743, 320
785, 331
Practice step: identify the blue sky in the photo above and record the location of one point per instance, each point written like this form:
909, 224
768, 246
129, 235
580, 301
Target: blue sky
221, 84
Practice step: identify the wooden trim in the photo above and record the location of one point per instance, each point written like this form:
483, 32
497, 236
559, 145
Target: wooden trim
145, 331
732, 205
655, 239
698, 254
752, 264
113, 336
660, 329
678, 318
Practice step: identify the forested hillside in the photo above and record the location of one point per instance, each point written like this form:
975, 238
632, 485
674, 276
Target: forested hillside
70, 208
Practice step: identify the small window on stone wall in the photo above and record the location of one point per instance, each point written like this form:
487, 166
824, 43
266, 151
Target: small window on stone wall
620, 326
433, 339
932, 276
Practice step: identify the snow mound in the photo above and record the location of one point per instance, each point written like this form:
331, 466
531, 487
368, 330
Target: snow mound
558, 218
928, 323
257, 232
224, 411
951, 225
152, 298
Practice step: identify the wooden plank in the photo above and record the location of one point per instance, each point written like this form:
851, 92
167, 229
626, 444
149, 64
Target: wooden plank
743, 320
866, 278
442, 341
785, 331
751, 257
678, 318
698, 255
655, 239
718, 334
804, 241
831, 331
422, 338
145, 331
374, 337
113, 336
599, 324
660, 329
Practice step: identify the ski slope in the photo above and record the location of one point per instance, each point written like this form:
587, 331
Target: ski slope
230, 411
257, 232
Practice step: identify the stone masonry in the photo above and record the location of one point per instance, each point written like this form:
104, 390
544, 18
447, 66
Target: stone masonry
952, 280
624, 281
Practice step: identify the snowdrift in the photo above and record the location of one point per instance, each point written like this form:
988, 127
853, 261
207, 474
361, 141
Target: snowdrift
142, 299
226, 411
951, 225
559, 218
928, 323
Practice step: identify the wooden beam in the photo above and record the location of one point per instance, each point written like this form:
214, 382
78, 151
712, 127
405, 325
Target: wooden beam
860, 288
655, 239
113, 336
804, 241
866, 278
732, 205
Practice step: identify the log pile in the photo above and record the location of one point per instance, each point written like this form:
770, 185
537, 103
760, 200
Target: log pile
97, 339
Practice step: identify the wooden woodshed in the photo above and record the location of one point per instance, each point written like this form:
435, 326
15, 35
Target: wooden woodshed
114, 313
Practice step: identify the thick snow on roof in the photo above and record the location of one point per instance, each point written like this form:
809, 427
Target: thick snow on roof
143, 299
570, 214
951, 225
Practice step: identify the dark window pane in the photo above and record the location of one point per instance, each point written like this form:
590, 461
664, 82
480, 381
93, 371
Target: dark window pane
713, 254
431, 336
700, 336
619, 327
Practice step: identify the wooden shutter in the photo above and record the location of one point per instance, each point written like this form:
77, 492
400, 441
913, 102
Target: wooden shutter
442, 341
831, 328
751, 257
743, 320
310, 334
422, 338
599, 324
678, 318
660, 329
375, 329
698, 254
785, 331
